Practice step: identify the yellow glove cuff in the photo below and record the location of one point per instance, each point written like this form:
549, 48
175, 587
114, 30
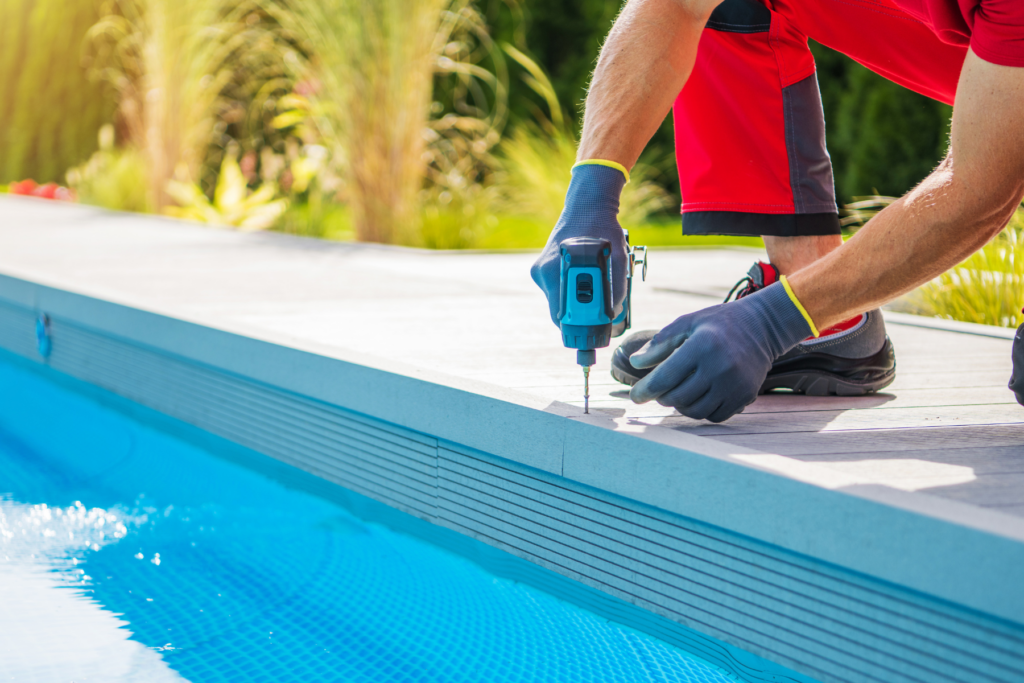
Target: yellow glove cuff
799, 306
604, 162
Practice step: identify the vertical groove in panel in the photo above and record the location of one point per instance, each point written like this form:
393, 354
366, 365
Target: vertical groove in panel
814, 618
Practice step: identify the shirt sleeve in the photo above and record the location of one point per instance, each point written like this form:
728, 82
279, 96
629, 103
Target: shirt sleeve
997, 35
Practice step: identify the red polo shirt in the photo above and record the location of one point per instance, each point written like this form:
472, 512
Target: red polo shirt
994, 29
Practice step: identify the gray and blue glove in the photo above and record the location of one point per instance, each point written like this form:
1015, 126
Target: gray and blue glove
711, 364
591, 210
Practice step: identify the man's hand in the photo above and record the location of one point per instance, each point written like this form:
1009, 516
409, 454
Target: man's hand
591, 210
712, 363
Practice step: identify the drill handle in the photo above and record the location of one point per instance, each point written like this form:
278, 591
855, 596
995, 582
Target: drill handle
585, 285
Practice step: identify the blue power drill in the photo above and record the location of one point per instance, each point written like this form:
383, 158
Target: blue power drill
585, 311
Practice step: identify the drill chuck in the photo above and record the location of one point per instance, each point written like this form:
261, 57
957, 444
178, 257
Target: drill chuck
586, 357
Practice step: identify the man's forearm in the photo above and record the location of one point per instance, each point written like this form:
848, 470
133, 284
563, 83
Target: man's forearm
953, 213
644, 64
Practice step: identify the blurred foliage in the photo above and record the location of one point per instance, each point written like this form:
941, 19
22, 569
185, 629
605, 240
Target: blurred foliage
233, 202
987, 288
170, 63
50, 109
883, 138
438, 123
112, 178
402, 99
564, 37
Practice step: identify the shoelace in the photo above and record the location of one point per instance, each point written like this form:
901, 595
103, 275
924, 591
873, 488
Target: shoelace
750, 288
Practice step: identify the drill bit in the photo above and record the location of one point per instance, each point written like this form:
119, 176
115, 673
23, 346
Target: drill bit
586, 389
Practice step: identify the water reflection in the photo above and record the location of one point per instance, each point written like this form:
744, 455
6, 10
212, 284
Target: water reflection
50, 626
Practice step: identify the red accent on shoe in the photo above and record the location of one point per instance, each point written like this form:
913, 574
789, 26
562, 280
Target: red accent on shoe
759, 276
840, 327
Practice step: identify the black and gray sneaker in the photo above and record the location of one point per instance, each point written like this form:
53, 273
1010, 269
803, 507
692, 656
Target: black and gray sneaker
852, 358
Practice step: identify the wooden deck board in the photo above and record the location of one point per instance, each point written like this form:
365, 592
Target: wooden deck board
826, 444
478, 316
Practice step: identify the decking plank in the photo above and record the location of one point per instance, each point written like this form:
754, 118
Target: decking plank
798, 444
480, 317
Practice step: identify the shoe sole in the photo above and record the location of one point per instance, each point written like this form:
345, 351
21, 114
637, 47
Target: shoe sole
824, 384
814, 382
809, 383
622, 377
821, 375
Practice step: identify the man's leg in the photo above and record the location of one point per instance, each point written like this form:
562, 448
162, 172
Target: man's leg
752, 108
790, 254
750, 142
750, 138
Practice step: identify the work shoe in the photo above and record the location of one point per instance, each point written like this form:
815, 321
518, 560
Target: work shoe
852, 358
1016, 377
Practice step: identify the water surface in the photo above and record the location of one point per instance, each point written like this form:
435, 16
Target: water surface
127, 555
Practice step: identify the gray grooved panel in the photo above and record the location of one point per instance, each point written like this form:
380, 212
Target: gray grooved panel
812, 617
389, 464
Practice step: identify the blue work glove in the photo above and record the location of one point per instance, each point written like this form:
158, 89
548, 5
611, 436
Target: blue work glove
711, 364
1017, 356
591, 210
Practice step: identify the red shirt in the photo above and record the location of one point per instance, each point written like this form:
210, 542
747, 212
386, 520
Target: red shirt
994, 29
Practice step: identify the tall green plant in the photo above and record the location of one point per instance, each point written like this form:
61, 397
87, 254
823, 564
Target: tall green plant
50, 110
374, 66
537, 161
169, 61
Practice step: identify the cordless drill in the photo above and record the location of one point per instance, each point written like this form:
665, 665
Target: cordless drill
585, 312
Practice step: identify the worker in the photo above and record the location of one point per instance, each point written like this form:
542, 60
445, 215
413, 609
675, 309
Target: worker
750, 146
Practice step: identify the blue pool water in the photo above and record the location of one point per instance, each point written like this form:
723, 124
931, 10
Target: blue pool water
126, 554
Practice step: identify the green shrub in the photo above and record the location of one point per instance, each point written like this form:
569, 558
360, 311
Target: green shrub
233, 203
112, 178
987, 288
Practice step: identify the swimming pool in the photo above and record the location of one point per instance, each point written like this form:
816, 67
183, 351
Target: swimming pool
127, 554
